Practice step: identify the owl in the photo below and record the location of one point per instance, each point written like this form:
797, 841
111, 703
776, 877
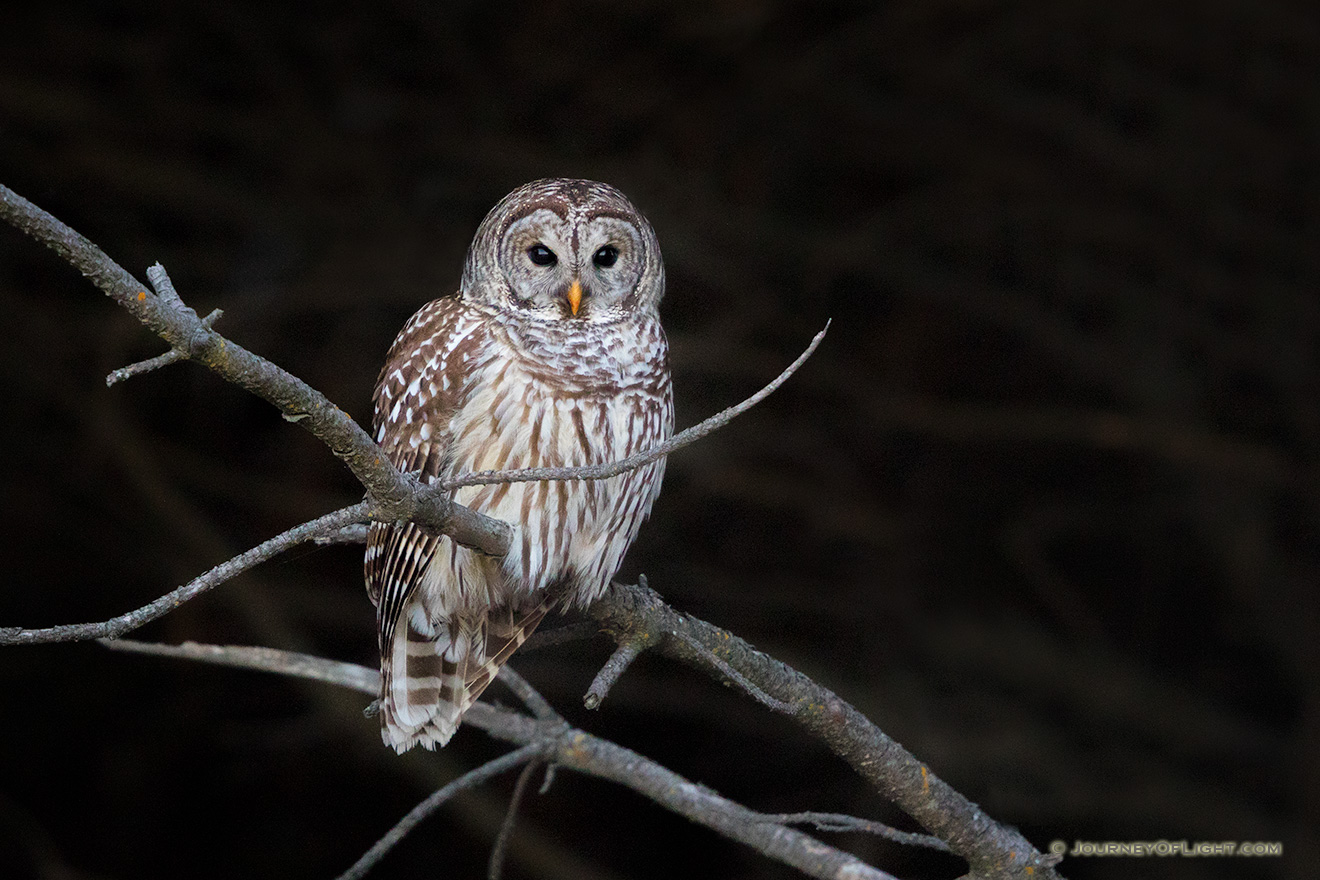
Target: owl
550, 354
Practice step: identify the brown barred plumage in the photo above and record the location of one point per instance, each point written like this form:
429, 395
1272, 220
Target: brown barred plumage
551, 354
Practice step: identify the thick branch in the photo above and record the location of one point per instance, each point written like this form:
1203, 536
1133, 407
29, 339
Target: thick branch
992, 850
396, 496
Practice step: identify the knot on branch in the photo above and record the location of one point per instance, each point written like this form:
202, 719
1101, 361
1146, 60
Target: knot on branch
411, 501
203, 337
432, 507
433, 510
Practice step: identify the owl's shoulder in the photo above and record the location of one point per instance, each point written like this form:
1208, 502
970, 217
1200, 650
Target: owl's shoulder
433, 325
428, 364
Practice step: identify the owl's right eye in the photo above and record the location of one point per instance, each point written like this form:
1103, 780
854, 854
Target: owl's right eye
541, 255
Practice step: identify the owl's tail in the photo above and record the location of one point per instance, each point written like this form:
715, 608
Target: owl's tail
428, 680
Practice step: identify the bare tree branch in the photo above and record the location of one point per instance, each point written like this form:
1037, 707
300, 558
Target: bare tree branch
632, 462
393, 496
530, 696
117, 626
172, 356
496, 867
396, 497
417, 814
606, 760
365, 680
563, 745
992, 850
841, 822
619, 661
346, 675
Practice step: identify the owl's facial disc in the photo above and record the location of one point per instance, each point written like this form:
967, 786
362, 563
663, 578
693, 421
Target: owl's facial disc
574, 266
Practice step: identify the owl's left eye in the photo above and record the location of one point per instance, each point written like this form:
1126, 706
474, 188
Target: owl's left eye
606, 256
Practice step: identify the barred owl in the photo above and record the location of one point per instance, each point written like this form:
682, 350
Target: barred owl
550, 354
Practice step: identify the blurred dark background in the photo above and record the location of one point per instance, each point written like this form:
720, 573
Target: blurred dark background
1044, 506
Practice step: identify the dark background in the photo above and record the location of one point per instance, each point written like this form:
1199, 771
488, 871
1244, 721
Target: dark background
1044, 506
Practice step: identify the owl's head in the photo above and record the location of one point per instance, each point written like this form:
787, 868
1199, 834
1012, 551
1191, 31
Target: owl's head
560, 250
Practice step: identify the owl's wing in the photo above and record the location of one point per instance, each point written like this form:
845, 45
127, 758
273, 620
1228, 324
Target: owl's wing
420, 388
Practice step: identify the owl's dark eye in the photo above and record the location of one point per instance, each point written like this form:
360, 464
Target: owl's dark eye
606, 256
541, 255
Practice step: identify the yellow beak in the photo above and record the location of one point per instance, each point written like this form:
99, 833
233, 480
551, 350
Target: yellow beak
575, 297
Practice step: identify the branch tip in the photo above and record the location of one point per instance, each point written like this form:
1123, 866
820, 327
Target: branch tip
612, 671
164, 287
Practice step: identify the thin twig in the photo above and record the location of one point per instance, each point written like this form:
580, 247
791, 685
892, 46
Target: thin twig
117, 626
572, 632
743, 681
632, 462
530, 697
614, 667
842, 822
471, 779
349, 675
496, 866
172, 356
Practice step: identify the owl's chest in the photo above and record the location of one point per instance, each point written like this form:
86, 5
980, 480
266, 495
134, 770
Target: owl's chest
515, 417
518, 415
